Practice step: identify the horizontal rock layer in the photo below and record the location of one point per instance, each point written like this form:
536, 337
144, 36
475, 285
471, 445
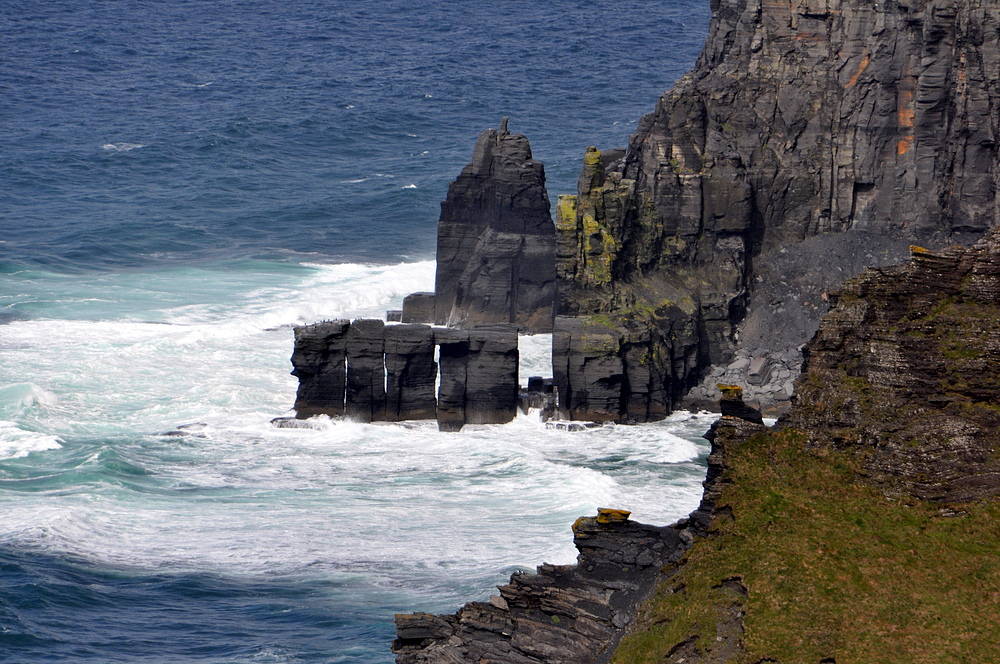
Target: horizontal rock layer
559, 614
370, 371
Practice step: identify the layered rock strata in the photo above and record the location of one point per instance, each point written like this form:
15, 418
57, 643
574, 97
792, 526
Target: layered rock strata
319, 364
373, 372
495, 243
885, 465
479, 380
802, 119
906, 364
365, 394
576, 613
410, 373
561, 613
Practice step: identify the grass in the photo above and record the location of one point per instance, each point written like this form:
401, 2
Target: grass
832, 568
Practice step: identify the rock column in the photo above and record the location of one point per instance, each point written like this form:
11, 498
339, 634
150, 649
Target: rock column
318, 362
410, 373
366, 370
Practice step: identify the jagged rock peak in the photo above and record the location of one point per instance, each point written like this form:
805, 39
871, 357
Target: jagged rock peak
496, 242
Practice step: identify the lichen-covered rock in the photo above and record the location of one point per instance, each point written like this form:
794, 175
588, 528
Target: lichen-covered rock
815, 119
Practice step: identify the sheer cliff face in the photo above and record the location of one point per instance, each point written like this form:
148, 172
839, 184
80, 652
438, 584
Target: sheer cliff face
830, 116
808, 118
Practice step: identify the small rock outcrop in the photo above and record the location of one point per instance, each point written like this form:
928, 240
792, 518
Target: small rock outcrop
495, 243
561, 614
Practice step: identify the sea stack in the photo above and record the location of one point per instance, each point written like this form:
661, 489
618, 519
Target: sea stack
495, 243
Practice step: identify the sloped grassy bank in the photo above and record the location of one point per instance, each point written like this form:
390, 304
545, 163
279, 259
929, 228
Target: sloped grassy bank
815, 563
865, 526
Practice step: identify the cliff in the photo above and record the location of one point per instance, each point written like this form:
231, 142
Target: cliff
812, 139
862, 527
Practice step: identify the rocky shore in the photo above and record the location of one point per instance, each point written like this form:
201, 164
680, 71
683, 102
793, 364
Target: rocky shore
813, 140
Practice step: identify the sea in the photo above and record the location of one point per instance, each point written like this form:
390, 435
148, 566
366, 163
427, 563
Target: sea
183, 182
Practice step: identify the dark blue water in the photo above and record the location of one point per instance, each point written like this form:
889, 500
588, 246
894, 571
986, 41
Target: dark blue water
179, 182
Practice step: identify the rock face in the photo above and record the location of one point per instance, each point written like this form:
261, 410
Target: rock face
906, 364
561, 614
496, 242
885, 465
373, 372
366, 370
479, 379
318, 361
804, 119
410, 373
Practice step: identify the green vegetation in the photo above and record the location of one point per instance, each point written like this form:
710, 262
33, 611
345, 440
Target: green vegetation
832, 568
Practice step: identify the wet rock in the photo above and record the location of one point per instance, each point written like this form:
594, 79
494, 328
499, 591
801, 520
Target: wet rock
319, 364
365, 346
479, 380
410, 373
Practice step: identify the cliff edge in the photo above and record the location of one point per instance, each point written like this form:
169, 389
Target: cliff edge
862, 528
813, 138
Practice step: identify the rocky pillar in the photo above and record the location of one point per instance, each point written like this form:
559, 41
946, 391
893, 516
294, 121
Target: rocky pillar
410, 373
588, 369
366, 370
492, 387
318, 361
454, 360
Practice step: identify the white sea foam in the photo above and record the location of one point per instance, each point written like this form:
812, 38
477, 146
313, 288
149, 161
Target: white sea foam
397, 504
122, 147
410, 186
16, 442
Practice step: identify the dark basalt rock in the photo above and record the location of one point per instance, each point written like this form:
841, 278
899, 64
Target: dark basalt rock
454, 362
479, 380
496, 241
418, 308
560, 614
814, 119
492, 386
366, 370
318, 361
411, 373
614, 372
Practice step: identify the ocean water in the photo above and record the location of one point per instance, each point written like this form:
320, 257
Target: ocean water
182, 183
